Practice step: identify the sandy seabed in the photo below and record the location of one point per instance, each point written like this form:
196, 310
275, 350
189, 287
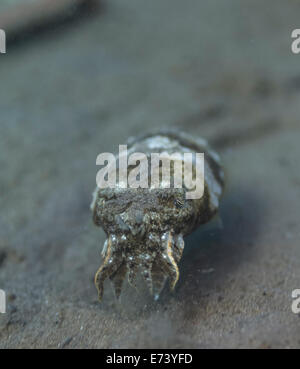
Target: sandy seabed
220, 70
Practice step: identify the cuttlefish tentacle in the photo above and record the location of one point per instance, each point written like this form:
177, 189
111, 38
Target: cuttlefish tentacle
156, 266
147, 264
168, 260
158, 278
132, 271
178, 247
110, 265
117, 279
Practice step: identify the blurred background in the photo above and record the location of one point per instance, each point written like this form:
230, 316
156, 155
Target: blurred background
77, 79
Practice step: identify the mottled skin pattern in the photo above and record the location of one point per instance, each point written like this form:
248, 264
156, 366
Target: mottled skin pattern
145, 227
